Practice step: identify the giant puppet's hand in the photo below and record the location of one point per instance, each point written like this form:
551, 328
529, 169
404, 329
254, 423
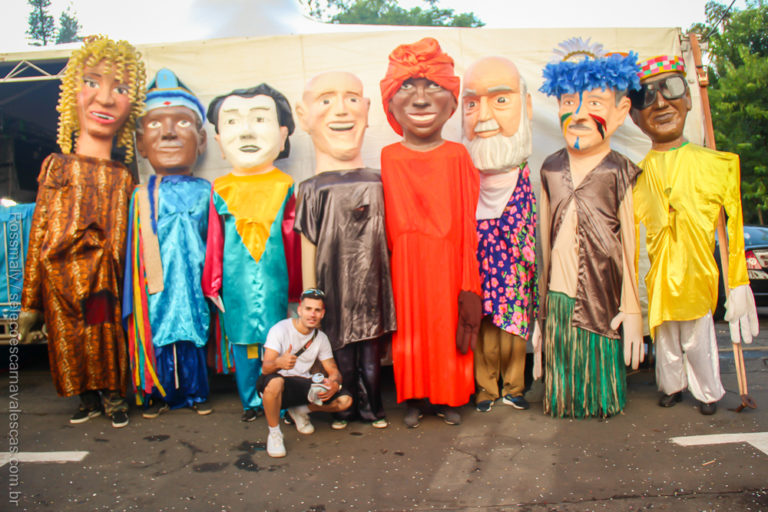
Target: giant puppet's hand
470, 316
632, 332
29, 321
741, 314
536, 343
216, 299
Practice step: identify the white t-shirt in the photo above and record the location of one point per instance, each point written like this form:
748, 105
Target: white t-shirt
284, 334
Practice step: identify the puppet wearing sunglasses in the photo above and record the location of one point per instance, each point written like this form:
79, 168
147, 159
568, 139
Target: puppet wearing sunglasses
671, 86
678, 197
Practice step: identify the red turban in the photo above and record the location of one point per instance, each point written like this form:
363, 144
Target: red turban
422, 59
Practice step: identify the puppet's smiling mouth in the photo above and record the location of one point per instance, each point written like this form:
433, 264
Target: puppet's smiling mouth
341, 127
102, 116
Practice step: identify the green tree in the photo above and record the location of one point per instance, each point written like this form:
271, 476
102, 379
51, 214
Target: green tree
387, 12
740, 114
68, 28
738, 47
41, 28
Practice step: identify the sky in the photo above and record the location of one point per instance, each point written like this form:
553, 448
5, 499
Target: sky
155, 21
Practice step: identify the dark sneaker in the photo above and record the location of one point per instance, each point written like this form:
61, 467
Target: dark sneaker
155, 409
670, 400
203, 408
119, 419
339, 424
708, 409
450, 415
412, 417
250, 415
382, 423
518, 402
82, 415
484, 405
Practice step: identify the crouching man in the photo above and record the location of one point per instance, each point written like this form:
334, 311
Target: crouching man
293, 345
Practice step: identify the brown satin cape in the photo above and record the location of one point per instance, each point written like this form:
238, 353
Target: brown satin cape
597, 198
342, 213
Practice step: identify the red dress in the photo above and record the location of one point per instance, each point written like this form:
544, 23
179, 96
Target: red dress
430, 200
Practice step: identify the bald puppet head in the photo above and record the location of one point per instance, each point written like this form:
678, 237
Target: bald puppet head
334, 113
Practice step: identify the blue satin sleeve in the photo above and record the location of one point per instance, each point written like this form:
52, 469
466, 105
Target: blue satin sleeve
180, 311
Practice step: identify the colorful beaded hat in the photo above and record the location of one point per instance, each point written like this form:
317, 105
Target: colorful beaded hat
659, 65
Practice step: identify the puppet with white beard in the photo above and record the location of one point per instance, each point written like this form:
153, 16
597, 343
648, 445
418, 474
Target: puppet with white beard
497, 132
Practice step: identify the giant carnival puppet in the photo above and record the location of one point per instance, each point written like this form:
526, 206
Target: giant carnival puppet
163, 303
589, 284
252, 253
430, 193
678, 198
340, 216
77, 242
497, 132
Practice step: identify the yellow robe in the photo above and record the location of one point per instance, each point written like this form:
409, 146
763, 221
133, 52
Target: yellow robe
678, 197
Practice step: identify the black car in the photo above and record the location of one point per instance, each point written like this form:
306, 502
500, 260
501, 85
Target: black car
756, 252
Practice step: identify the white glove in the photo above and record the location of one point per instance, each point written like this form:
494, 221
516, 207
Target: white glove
632, 331
536, 342
741, 314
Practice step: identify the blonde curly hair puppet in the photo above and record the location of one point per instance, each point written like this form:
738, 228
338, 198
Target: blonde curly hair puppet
122, 59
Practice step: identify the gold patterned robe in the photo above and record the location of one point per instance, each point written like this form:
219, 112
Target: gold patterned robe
74, 267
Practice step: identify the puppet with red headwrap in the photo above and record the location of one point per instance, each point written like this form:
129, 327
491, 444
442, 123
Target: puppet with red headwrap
430, 193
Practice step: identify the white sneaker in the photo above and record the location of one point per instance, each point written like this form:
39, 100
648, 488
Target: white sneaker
300, 417
275, 446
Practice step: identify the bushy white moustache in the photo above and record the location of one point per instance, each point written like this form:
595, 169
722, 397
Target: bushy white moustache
500, 152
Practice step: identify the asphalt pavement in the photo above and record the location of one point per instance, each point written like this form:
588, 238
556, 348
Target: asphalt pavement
647, 458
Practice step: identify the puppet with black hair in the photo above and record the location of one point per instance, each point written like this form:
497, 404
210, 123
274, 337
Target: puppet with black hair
252, 252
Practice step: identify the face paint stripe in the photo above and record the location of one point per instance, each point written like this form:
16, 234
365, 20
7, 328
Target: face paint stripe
565, 121
601, 124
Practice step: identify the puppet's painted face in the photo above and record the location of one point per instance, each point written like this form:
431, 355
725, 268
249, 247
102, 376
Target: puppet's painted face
103, 102
170, 139
589, 118
335, 114
422, 108
492, 102
496, 122
664, 119
250, 134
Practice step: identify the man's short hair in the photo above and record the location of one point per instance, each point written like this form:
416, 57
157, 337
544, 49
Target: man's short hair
313, 293
284, 115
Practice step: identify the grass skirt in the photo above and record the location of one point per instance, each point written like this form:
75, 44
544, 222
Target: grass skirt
585, 374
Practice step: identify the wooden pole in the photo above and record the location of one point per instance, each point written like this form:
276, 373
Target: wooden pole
722, 237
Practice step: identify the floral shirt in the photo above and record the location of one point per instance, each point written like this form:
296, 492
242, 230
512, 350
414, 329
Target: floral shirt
506, 252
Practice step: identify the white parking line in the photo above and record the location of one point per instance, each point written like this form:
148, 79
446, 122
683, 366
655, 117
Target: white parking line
757, 439
5, 457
